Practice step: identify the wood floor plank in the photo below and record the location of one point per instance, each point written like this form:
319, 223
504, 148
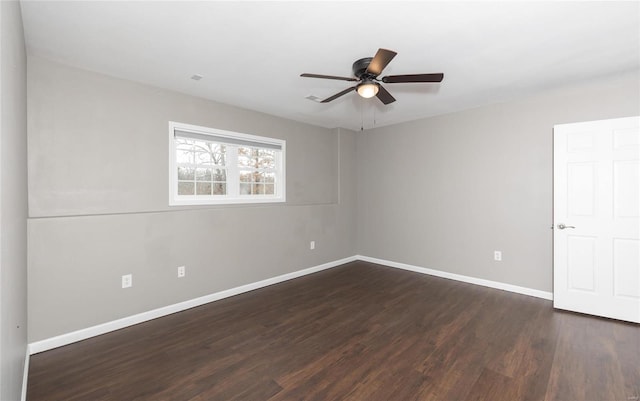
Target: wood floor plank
627, 348
356, 332
585, 364
491, 386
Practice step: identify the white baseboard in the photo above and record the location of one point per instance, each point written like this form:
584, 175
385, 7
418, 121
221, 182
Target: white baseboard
459, 277
25, 376
83, 334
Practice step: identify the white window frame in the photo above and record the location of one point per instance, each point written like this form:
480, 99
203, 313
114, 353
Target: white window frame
233, 182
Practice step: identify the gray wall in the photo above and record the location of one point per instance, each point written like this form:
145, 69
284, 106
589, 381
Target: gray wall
98, 202
13, 201
445, 192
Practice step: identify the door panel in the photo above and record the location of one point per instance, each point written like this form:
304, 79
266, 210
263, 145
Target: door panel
626, 175
596, 199
580, 263
581, 189
625, 268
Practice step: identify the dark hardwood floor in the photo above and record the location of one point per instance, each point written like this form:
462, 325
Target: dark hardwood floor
356, 332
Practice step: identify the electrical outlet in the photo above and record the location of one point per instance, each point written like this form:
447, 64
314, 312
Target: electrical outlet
127, 281
497, 255
312, 245
181, 271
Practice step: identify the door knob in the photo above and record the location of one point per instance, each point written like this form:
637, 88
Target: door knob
562, 226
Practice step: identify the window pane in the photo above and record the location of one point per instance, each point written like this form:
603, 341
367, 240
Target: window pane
204, 174
219, 154
185, 173
270, 177
261, 176
220, 175
210, 153
204, 158
184, 144
184, 157
203, 188
219, 189
245, 189
220, 159
269, 189
267, 158
201, 146
245, 176
257, 183
258, 189
247, 157
256, 158
186, 188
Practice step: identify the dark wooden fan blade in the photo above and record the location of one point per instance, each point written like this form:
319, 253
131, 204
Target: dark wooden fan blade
384, 96
328, 77
380, 60
337, 95
394, 79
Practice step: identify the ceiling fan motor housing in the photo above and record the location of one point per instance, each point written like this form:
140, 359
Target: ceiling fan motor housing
360, 68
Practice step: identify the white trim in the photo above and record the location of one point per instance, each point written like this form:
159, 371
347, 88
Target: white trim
83, 334
459, 277
25, 375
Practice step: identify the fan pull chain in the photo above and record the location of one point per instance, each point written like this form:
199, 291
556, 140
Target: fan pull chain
361, 115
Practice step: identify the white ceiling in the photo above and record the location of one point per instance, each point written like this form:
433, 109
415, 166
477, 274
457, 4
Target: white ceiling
252, 53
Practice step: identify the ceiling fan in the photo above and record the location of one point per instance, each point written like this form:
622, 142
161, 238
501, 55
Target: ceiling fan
366, 71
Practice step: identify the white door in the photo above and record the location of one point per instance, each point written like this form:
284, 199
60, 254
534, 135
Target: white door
596, 215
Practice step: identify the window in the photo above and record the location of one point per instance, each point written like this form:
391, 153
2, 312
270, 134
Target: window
210, 166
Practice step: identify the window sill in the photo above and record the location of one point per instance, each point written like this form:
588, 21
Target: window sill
227, 201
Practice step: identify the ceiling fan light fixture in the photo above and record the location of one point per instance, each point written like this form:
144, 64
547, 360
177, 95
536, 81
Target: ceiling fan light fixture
368, 89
